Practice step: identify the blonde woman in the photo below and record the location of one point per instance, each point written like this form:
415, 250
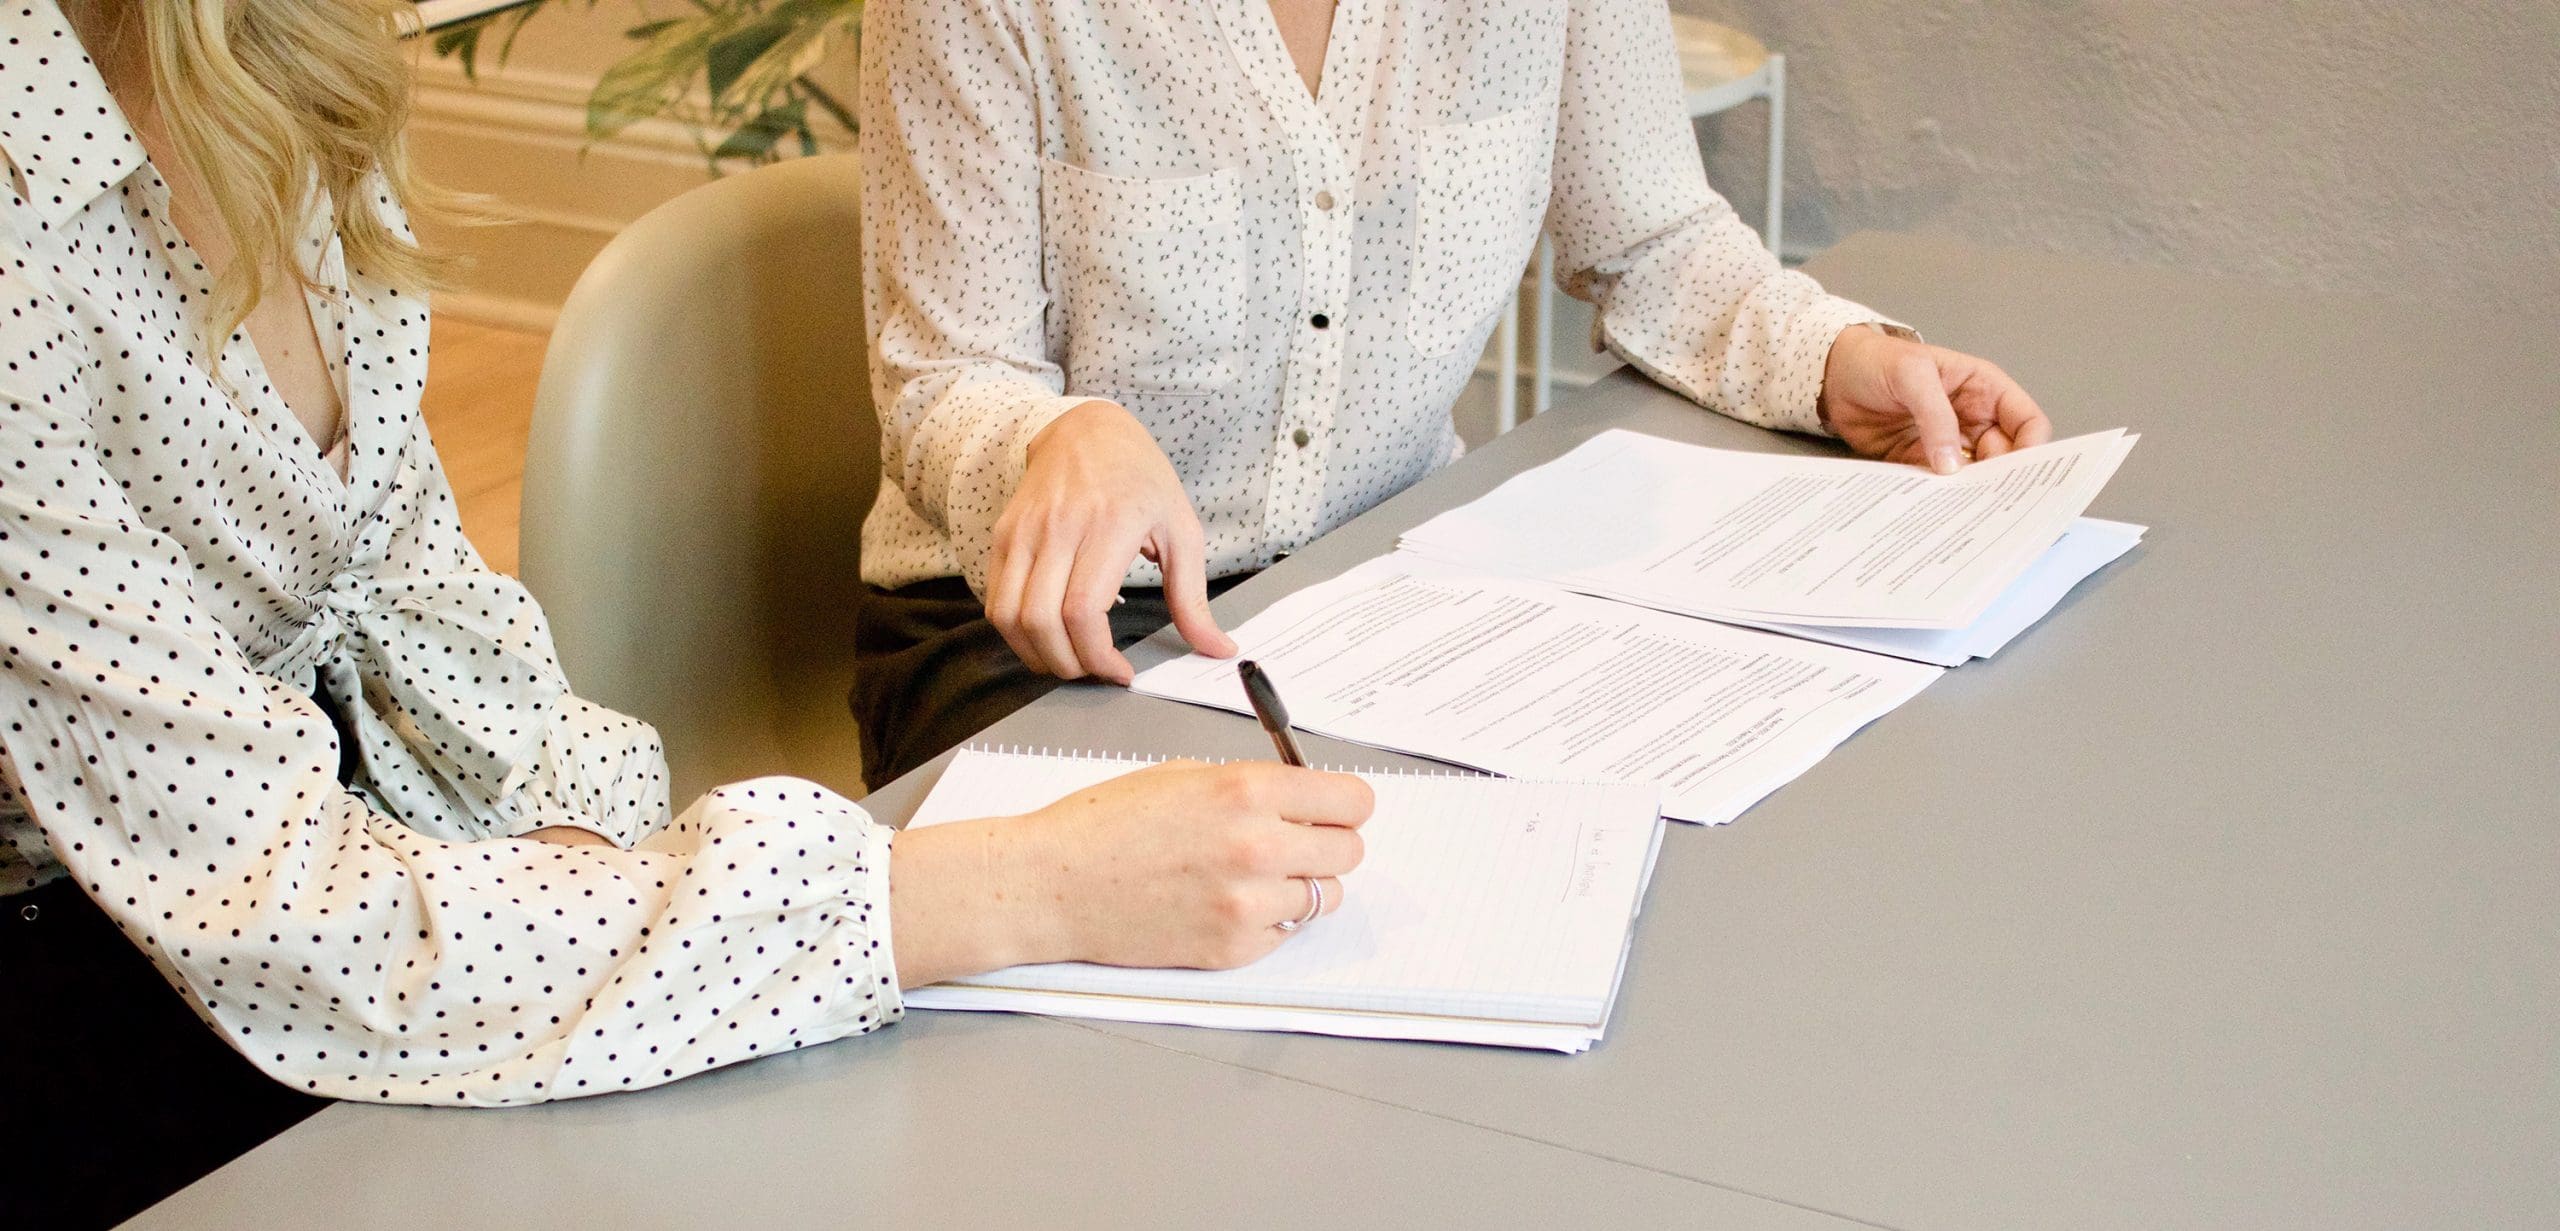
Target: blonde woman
275, 738
1162, 292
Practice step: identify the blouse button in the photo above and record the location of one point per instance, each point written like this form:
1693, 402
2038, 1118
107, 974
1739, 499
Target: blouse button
1320, 320
1301, 437
1324, 201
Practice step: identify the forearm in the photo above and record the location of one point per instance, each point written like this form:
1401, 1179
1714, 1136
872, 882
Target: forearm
1687, 293
1705, 309
969, 897
1174, 865
507, 972
955, 295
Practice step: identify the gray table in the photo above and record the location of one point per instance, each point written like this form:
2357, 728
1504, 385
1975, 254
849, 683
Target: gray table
2229, 896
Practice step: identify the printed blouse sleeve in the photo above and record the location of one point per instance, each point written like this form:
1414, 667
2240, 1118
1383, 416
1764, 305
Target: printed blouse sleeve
1686, 292
593, 769
952, 248
198, 802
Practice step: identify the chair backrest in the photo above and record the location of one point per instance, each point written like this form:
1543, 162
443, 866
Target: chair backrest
702, 454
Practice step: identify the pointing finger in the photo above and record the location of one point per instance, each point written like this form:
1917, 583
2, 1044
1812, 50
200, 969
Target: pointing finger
1092, 590
1186, 588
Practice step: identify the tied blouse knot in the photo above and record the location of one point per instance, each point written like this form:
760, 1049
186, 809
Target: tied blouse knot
451, 671
285, 729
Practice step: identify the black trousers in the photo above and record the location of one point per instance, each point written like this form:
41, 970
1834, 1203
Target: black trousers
113, 1093
931, 671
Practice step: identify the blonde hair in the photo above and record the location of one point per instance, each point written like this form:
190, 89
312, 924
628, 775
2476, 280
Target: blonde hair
272, 101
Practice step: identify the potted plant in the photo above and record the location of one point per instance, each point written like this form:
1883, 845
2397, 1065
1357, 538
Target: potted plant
738, 72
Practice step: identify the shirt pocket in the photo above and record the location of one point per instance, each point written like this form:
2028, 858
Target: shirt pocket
1151, 278
1480, 191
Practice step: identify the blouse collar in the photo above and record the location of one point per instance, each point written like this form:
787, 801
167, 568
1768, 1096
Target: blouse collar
61, 127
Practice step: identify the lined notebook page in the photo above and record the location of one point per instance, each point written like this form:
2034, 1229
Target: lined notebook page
1479, 898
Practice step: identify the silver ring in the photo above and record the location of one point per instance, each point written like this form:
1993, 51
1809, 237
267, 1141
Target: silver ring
1315, 906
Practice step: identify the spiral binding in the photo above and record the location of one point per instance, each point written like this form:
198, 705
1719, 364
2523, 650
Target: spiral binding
1063, 754
1379, 771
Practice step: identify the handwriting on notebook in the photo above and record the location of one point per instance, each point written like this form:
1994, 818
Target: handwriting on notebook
1484, 910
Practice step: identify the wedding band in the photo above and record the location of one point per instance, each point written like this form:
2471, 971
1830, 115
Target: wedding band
1315, 906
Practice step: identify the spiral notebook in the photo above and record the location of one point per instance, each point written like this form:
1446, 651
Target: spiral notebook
1485, 910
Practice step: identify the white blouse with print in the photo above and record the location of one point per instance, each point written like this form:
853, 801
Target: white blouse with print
1139, 200
284, 728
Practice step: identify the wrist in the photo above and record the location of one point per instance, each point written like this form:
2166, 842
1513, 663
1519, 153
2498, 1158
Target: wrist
1077, 419
1023, 874
1841, 359
963, 900
1844, 360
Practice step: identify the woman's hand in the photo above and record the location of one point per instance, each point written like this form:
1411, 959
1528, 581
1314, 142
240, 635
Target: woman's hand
1179, 864
1908, 401
1096, 495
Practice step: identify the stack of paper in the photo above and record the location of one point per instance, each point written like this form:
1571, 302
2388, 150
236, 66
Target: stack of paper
1547, 630
2089, 545
1526, 678
1484, 911
1772, 540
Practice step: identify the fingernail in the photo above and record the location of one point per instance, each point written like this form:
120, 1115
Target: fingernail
1945, 459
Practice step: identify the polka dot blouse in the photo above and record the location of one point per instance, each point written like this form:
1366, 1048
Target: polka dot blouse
285, 729
1073, 199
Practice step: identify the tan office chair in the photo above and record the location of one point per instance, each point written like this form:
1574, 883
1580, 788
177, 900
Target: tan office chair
703, 451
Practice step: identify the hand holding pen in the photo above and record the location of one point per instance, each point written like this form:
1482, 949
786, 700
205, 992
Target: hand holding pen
1275, 722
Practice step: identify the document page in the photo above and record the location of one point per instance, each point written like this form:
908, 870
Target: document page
1482, 900
2089, 545
1758, 536
1532, 680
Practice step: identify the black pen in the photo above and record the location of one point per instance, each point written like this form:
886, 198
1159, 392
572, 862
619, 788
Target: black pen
1267, 707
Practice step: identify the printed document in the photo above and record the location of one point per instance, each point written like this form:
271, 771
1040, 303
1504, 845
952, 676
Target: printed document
2089, 545
1532, 680
1778, 539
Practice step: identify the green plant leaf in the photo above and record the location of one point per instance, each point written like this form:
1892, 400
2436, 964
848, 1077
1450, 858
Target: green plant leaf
828, 105
751, 60
729, 58
762, 67
649, 81
462, 42
754, 140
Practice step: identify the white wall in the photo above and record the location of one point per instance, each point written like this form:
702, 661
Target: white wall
2374, 146
2357, 145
